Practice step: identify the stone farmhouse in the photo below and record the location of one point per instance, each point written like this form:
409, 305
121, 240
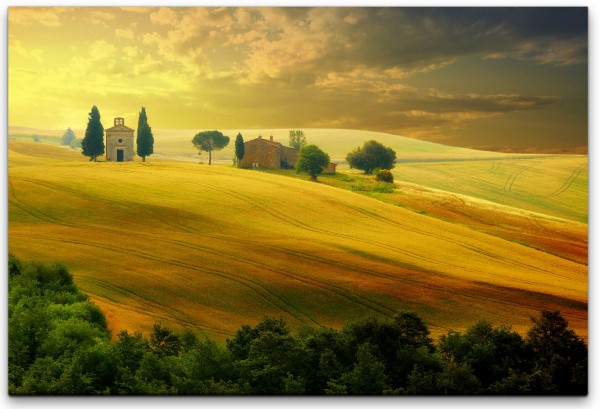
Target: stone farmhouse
263, 153
119, 142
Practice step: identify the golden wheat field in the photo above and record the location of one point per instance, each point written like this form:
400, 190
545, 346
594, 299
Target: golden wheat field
210, 248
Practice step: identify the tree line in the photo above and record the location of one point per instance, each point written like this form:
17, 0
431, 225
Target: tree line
59, 343
370, 158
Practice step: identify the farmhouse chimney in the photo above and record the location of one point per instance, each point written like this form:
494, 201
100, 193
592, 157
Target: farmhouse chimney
271, 138
119, 121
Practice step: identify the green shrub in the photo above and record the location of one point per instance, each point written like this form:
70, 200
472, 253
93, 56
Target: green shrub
383, 188
384, 175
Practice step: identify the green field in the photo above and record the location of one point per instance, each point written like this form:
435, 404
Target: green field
213, 247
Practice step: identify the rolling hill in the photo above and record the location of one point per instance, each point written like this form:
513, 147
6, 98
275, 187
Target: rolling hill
213, 247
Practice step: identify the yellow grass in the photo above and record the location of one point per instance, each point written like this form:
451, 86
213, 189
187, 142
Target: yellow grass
552, 185
213, 247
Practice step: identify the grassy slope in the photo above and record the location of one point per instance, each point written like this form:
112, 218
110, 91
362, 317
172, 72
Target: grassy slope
549, 184
212, 247
565, 238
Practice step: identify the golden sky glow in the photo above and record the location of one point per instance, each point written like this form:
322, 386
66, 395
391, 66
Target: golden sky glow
466, 77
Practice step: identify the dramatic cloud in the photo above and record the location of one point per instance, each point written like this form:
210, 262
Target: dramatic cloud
389, 69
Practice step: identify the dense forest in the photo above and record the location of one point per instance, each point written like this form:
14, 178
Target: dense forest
59, 343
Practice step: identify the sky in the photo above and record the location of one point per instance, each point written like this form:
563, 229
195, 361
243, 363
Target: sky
493, 78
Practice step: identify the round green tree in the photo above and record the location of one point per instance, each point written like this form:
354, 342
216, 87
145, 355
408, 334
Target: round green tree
370, 156
209, 141
92, 144
312, 160
145, 140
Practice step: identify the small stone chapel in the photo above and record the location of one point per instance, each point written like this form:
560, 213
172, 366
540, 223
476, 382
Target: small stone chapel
119, 142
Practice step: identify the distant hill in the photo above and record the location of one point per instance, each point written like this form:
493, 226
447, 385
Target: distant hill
336, 142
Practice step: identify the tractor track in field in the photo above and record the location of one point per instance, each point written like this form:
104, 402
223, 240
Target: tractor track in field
356, 298
137, 208
35, 213
152, 311
511, 179
574, 175
270, 297
285, 218
494, 256
563, 188
360, 300
289, 220
277, 215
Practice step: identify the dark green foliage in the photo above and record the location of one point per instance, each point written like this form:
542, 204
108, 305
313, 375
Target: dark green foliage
59, 344
370, 156
368, 376
164, 341
144, 140
490, 353
53, 331
92, 144
384, 175
560, 355
312, 160
209, 141
68, 137
14, 266
239, 147
297, 140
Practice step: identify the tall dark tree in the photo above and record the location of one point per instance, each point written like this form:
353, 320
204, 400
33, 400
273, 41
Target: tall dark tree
561, 357
312, 160
209, 141
68, 137
297, 139
145, 140
370, 156
239, 147
92, 144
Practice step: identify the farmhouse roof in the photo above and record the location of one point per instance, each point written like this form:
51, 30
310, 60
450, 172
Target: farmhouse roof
270, 142
265, 141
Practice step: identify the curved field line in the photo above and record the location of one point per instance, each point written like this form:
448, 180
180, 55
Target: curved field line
32, 211
288, 219
340, 291
511, 179
505, 260
276, 214
565, 186
154, 310
574, 175
244, 281
138, 208
494, 256
283, 217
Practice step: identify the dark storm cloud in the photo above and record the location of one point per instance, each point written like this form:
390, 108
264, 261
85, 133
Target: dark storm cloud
417, 37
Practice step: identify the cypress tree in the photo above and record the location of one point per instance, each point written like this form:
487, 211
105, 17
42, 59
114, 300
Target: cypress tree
239, 147
145, 140
92, 144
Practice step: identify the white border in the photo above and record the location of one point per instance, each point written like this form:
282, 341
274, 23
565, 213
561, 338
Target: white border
592, 400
